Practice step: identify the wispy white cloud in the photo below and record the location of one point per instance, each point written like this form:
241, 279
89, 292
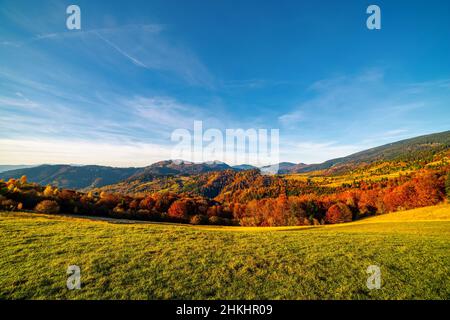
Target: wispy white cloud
293, 118
164, 111
364, 102
144, 45
137, 119
169, 113
318, 151
377, 139
248, 83
337, 95
393, 133
19, 101
361, 111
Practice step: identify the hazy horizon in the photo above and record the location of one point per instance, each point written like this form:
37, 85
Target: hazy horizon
200, 162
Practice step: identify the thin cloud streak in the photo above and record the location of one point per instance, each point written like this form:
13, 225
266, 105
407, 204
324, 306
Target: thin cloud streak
134, 60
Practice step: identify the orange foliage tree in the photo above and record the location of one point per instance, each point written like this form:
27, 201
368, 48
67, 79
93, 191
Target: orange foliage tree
338, 213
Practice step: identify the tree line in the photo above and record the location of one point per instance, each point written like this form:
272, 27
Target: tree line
271, 203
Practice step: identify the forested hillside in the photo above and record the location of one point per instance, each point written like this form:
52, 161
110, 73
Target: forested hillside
419, 149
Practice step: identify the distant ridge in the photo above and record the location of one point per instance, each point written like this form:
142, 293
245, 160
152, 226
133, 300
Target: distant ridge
177, 167
91, 176
72, 177
244, 167
282, 167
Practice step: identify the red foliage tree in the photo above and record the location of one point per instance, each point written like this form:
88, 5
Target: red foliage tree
147, 203
180, 209
338, 213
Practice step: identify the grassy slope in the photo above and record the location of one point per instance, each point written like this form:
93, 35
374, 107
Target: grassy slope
157, 261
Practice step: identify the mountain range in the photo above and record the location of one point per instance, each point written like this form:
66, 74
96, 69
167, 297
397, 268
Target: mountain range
93, 176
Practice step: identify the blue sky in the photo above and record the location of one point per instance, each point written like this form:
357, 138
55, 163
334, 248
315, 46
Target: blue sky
112, 92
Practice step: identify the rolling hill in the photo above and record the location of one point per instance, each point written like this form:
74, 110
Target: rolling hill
88, 177
419, 148
138, 260
72, 177
244, 167
177, 167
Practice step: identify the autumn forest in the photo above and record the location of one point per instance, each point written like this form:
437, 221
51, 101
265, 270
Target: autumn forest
412, 175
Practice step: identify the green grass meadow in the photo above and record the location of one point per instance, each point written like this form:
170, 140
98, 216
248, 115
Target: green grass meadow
124, 260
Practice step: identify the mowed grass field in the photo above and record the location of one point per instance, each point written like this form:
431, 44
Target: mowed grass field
125, 260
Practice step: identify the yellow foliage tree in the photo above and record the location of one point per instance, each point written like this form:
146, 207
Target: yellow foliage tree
23, 180
48, 192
